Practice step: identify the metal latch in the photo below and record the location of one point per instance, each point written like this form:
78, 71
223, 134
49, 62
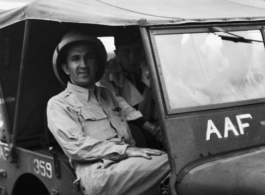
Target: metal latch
54, 152
54, 192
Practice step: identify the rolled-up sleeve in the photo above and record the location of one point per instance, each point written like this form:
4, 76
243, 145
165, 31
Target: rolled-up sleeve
129, 112
67, 130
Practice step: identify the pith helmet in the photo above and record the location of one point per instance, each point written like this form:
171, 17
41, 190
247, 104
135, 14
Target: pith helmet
59, 55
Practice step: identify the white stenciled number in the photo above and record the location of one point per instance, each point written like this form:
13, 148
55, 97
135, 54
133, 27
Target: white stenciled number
48, 170
37, 166
43, 168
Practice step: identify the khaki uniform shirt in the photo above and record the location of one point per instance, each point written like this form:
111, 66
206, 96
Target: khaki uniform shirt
90, 126
92, 130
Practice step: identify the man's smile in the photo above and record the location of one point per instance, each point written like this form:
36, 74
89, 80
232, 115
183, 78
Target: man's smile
84, 72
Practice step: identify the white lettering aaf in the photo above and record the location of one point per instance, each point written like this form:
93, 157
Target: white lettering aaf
211, 128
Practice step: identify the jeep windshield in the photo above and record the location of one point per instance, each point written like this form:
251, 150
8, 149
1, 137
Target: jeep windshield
210, 68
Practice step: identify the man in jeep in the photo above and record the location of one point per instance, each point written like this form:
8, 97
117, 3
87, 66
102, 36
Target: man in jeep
128, 72
128, 75
90, 124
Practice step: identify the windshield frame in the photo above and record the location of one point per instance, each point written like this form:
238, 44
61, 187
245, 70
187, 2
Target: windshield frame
196, 29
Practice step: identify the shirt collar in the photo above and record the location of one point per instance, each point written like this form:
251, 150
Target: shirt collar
83, 92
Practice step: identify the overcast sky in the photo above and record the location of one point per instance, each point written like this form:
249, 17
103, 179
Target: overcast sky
9, 4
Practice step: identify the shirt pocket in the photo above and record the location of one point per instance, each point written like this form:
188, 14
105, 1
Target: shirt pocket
93, 114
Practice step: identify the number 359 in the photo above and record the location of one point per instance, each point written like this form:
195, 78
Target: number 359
43, 168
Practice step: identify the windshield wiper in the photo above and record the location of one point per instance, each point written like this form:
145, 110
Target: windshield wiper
235, 39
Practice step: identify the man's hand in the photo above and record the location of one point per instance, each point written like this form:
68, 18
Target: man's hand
142, 152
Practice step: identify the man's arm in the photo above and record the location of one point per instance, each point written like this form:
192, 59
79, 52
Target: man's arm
143, 152
135, 117
66, 128
155, 130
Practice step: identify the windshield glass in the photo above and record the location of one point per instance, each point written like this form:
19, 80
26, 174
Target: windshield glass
212, 68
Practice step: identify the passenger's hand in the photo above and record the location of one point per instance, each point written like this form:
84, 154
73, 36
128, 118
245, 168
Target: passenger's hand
155, 130
158, 134
142, 152
159, 137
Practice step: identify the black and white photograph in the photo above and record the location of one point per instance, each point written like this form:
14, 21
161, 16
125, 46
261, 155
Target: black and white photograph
132, 97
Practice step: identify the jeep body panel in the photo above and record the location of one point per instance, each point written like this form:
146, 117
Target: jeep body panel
238, 174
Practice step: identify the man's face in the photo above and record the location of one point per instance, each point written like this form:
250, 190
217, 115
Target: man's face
130, 56
81, 65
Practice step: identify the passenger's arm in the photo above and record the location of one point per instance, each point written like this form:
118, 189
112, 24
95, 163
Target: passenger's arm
155, 130
135, 117
67, 130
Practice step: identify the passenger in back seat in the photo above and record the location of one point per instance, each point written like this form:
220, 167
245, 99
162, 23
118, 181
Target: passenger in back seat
128, 75
90, 124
